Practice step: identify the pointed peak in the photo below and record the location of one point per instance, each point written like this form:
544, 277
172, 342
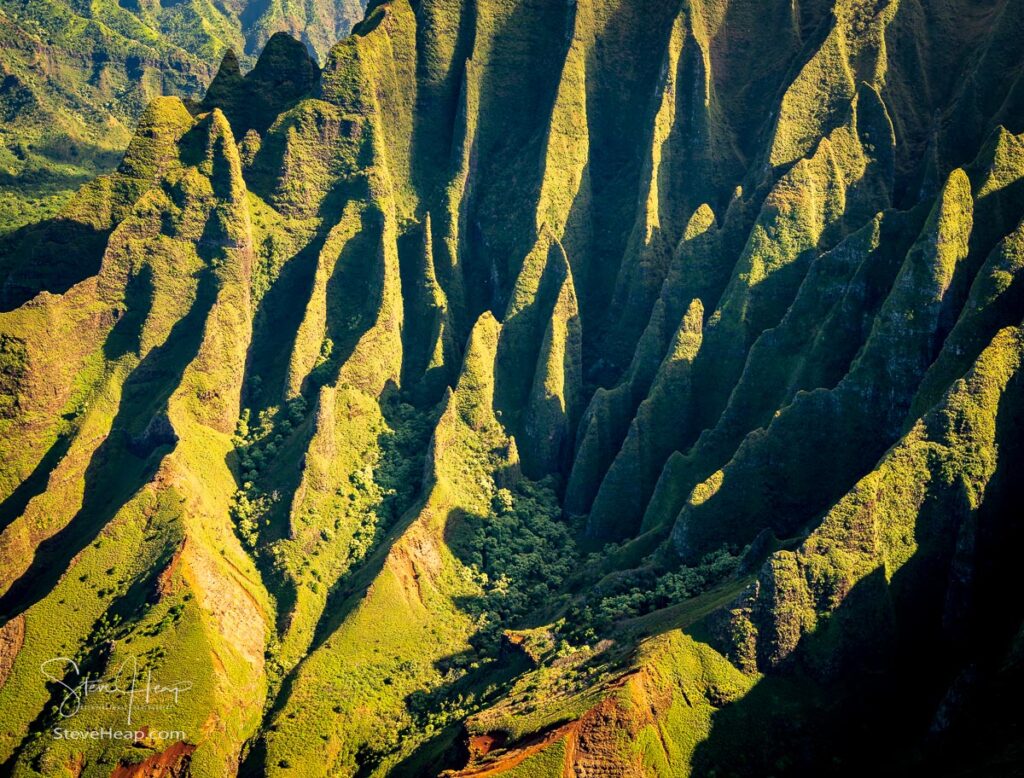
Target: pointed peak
285, 56
958, 185
1003, 134
688, 336
223, 163
474, 392
693, 319
952, 209
702, 220
229, 74
165, 113
428, 270
482, 347
943, 242
219, 125
161, 126
229, 66
1009, 148
428, 237
485, 324
999, 163
283, 42
225, 82
874, 124
284, 74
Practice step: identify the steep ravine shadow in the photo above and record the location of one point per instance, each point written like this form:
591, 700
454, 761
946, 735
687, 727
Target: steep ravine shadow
355, 295
520, 346
341, 601
351, 586
876, 669
621, 100
125, 336
423, 321
870, 673
985, 732
126, 459
36, 482
436, 118
761, 391
500, 219
276, 325
277, 318
797, 719
49, 257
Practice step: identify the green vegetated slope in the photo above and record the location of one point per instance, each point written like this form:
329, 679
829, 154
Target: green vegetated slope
76, 77
537, 389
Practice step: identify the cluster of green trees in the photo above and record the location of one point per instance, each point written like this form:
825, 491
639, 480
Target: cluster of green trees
522, 552
525, 551
257, 445
660, 584
398, 473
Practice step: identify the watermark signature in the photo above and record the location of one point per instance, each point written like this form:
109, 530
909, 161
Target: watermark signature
127, 689
107, 733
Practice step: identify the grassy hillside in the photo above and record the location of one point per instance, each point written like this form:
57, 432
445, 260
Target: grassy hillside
528, 389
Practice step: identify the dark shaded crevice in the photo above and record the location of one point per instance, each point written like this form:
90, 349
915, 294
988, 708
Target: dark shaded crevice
500, 221
48, 257
125, 337
35, 484
276, 325
421, 317
398, 445
114, 474
355, 294
906, 663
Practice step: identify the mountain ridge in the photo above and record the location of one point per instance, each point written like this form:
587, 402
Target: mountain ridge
76, 79
472, 418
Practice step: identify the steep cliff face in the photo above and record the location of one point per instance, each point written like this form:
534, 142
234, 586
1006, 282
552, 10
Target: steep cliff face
537, 389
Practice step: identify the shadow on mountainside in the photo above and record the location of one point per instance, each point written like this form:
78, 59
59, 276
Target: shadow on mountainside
51, 256
277, 319
906, 665
342, 600
124, 337
405, 501
35, 484
140, 436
